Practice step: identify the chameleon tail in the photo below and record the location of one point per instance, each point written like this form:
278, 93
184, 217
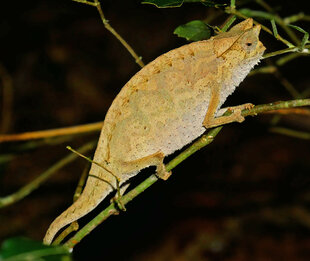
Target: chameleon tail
94, 192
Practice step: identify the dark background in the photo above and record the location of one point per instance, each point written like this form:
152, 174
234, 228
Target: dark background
244, 197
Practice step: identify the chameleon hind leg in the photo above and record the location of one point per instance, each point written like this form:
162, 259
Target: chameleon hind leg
156, 159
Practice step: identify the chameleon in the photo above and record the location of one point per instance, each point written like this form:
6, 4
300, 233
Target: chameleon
166, 105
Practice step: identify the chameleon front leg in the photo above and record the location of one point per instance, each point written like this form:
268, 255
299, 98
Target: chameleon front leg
210, 121
156, 159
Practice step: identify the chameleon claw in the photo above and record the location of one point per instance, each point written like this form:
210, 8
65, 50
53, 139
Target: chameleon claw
119, 204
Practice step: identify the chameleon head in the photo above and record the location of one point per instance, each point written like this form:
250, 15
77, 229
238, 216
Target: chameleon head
248, 45
240, 43
238, 51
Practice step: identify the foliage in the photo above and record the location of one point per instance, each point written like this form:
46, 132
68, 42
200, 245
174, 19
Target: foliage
194, 31
19, 249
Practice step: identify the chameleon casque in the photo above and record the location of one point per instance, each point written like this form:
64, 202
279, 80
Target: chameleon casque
166, 105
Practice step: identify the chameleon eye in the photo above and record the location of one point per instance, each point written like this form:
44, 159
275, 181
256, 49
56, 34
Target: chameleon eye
249, 43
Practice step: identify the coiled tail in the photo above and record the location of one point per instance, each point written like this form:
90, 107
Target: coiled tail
95, 191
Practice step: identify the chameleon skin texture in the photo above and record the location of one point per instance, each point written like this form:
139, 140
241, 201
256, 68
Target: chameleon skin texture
162, 108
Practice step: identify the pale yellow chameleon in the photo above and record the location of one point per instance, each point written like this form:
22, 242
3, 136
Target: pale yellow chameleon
166, 105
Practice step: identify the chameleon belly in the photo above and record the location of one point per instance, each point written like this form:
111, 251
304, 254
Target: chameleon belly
165, 113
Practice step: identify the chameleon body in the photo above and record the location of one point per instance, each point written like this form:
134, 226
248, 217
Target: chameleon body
166, 105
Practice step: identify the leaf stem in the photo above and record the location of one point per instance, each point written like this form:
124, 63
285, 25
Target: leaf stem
295, 18
280, 21
288, 50
266, 29
228, 23
291, 133
96, 3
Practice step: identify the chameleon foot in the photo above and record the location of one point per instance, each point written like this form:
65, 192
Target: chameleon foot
164, 175
235, 116
118, 202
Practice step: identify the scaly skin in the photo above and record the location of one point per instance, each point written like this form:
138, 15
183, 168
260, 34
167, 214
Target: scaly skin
166, 105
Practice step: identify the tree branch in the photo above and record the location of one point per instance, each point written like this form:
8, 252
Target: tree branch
291, 133
203, 141
106, 24
78, 129
27, 189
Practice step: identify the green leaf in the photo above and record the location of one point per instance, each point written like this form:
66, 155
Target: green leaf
232, 4
228, 23
304, 39
194, 31
164, 3
274, 28
254, 13
21, 249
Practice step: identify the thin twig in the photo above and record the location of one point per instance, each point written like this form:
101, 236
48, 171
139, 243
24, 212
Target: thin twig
265, 5
228, 23
288, 30
287, 58
287, 85
299, 111
264, 69
287, 50
274, 106
78, 129
292, 133
295, 18
106, 24
31, 186
200, 143
266, 29
280, 21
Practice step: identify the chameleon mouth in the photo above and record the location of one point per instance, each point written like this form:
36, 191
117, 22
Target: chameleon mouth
261, 48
